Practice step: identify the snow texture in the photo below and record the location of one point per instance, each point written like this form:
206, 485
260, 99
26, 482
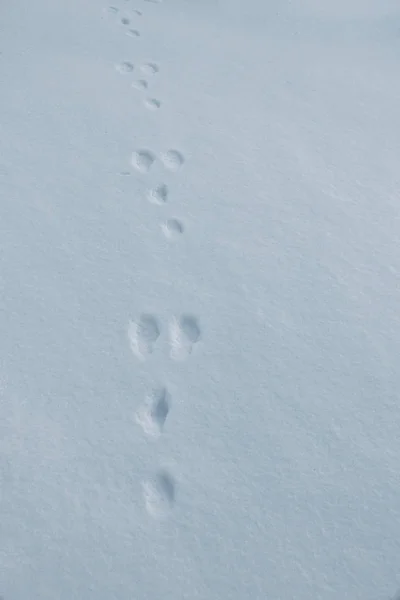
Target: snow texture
200, 299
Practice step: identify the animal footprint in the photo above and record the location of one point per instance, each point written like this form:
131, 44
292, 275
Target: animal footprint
133, 33
184, 334
125, 21
158, 195
142, 160
124, 67
172, 160
153, 414
150, 68
159, 494
172, 229
141, 84
111, 10
152, 103
143, 334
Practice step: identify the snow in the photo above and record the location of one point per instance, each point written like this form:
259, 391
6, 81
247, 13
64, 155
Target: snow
200, 269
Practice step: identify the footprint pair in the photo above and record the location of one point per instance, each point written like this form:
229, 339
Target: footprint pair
183, 333
142, 160
126, 67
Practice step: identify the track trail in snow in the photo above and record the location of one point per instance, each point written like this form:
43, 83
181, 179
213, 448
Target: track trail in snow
145, 331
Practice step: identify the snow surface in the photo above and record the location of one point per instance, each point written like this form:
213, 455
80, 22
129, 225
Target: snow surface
200, 295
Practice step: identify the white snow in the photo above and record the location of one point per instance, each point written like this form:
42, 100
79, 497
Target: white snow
200, 299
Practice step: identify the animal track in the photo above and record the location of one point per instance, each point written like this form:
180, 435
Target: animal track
173, 228
150, 68
143, 335
152, 416
184, 334
158, 195
140, 84
152, 103
159, 491
111, 10
142, 160
159, 494
172, 160
124, 67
